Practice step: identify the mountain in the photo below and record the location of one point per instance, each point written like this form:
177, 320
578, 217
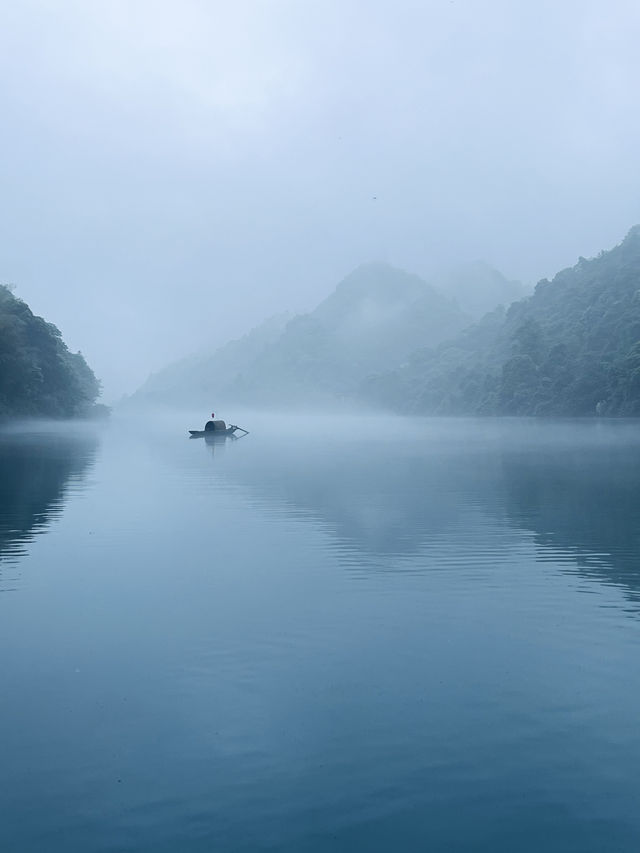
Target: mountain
374, 318
572, 348
479, 288
205, 376
38, 374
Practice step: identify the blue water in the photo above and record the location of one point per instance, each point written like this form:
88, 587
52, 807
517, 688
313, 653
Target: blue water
331, 635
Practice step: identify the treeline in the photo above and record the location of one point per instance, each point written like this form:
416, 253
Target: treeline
38, 374
572, 348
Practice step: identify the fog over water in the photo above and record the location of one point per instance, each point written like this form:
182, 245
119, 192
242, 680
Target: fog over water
334, 634
390, 598
175, 173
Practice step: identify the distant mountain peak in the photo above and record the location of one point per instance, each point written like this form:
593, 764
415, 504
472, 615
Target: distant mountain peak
571, 348
374, 318
479, 288
372, 288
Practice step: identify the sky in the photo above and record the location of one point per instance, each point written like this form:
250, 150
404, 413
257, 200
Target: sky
172, 173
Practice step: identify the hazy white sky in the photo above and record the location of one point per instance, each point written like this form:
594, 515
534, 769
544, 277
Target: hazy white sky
173, 172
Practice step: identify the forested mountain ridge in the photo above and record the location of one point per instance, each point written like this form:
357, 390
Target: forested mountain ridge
204, 376
38, 374
373, 319
572, 348
478, 288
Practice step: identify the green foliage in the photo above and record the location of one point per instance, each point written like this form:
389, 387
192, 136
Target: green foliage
572, 348
38, 374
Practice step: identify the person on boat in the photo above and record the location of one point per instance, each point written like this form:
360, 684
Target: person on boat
210, 424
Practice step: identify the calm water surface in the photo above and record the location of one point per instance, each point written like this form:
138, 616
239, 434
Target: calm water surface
326, 636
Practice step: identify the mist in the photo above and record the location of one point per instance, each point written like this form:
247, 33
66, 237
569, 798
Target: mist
346, 545
173, 174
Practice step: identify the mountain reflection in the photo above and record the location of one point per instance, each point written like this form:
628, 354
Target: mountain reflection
36, 471
584, 503
386, 501
374, 500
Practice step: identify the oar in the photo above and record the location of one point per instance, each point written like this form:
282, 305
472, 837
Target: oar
245, 431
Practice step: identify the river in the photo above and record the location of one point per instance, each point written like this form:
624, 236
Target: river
333, 634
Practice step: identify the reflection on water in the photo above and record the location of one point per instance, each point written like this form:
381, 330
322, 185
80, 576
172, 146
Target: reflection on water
575, 486
584, 503
40, 468
327, 636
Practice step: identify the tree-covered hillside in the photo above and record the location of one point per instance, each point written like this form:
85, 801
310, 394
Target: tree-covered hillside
478, 288
572, 348
202, 378
373, 319
38, 374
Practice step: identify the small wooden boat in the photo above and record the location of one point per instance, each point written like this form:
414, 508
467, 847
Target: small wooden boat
216, 429
212, 433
